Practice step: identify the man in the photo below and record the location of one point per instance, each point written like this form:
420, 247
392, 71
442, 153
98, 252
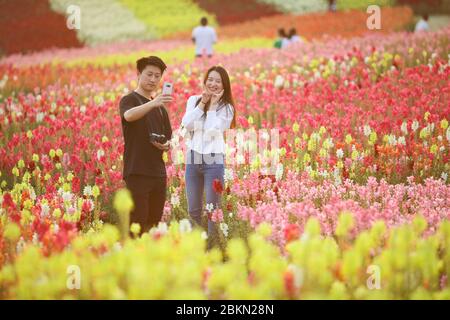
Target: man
422, 25
204, 37
142, 114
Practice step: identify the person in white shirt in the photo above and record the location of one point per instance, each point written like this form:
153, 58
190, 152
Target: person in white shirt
422, 25
204, 37
207, 118
293, 37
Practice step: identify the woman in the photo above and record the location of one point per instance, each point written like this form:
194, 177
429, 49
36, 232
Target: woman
207, 117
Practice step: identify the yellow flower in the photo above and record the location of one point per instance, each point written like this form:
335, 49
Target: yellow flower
373, 137
57, 213
15, 171
123, 201
426, 116
250, 120
105, 139
165, 157
135, 228
21, 164
59, 153
264, 229
12, 232
355, 155
444, 124
348, 139
434, 149
295, 127
95, 191
35, 157
52, 153
29, 134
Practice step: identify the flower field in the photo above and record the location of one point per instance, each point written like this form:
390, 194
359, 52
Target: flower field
361, 186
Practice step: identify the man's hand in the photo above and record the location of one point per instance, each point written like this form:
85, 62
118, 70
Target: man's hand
162, 100
160, 146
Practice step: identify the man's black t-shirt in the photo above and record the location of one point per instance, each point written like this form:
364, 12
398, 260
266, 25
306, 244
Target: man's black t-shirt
140, 156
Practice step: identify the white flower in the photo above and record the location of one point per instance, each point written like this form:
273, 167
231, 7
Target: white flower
401, 140
117, 246
20, 245
100, 154
35, 238
404, 127
162, 227
415, 125
209, 207
228, 175
444, 176
224, 228
67, 196
298, 275
45, 209
204, 235
87, 191
279, 172
185, 226
392, 140
55, 228
339, 153
367, 130
40, 116
175, 200
447, 134
230, 214
83, 109
279, 81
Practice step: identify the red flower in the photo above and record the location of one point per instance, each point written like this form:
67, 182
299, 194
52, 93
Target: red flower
8, 201
217, 186
289, 284
291, 232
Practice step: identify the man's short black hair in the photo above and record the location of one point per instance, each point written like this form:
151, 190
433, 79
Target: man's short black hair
150, 61
204, 21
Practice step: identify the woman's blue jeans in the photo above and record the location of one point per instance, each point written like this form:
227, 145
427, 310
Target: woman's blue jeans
201, 171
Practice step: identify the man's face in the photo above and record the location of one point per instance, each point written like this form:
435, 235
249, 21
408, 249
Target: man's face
149, 78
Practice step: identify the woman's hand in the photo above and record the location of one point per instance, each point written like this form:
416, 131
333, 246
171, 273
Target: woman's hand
206, 95
215, 98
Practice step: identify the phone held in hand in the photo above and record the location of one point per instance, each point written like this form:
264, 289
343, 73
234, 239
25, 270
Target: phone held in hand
167, 88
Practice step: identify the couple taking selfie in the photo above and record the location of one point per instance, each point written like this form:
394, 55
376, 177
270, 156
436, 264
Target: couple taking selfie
147, 132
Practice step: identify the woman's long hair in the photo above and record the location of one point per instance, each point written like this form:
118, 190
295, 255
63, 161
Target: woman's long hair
227, 97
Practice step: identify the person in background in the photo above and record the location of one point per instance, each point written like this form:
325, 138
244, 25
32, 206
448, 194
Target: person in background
281, 35
204, 38
332, 7
422, 24
293, 37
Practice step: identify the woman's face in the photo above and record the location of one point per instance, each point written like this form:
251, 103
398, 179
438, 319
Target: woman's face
214, 82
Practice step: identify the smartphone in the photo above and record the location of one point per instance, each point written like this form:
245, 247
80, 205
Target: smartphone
167, 88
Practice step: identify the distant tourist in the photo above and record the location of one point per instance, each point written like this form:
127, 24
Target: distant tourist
422, 25
204, 37
293, 37
281, 36
332, 5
